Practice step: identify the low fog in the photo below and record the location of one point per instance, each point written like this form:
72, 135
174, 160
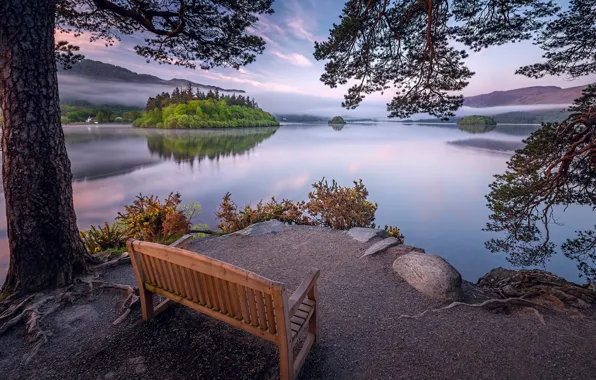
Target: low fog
134, 94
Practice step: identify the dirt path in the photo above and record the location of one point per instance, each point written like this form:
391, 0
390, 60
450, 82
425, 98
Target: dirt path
361, 334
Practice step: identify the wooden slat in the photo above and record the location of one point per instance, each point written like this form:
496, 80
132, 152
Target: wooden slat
219, 289
174, 283
156, 270
205, 289
301, 314
215, 314
234, 298
261, 310
254, 319
212, 294
184, 283
189, 284
270, 315
147, 269
243, 300
168, 282
197, 285
206, 265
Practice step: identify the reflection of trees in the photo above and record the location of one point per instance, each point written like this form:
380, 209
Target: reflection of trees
188, 145
476, 128
337, 127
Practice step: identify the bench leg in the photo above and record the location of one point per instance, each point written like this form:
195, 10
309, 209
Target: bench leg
313, 323
146, 304
286, 361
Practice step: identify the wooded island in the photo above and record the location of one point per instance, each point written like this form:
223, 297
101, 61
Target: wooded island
186, 109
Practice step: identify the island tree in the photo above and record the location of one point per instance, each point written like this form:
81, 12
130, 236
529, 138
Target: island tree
45, 247
409, 45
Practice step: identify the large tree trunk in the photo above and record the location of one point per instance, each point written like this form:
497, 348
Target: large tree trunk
45, 247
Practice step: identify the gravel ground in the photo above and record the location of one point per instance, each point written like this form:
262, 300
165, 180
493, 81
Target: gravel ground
362, 336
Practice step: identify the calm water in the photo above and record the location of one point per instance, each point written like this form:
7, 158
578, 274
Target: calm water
432, 189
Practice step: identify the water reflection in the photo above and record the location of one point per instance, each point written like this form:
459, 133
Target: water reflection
476, 128
183, 146
431, 190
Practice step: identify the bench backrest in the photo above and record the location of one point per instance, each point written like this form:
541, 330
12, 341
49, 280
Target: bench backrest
229, 293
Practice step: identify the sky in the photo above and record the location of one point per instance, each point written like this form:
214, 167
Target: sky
285, 79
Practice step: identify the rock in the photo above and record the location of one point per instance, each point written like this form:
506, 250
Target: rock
430, 275
263, 228
364, 235
380, 246
139, 364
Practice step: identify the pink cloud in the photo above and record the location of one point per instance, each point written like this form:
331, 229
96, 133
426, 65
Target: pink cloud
299, 29
294, 58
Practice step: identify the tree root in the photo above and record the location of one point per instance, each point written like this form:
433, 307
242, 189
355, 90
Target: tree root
490, 304
123, 259
33, 309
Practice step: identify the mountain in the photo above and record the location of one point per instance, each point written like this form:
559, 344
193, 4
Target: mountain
98, 70
525, 96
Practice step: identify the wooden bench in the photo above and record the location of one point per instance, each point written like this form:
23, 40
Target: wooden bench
236, 296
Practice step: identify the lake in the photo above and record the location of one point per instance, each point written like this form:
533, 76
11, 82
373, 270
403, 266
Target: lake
429, 180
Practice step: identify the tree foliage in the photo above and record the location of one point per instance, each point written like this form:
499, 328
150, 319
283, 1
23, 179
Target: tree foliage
190, 33
555, 169
408, 44
187, 109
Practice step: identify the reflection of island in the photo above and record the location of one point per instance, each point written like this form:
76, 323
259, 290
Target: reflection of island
487, 144
188, 145
476, 128
337, 127
99, 154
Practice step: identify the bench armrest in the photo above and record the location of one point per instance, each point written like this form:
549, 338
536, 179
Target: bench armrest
297, 297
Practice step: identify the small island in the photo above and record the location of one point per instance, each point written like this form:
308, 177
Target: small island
186, 109
477, 120
337, 120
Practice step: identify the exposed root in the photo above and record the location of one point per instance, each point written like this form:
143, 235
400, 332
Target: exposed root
490, 304
131, 299
123, 259
33, 309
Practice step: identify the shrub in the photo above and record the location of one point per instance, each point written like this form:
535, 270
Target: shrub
329, 205
395, 232
147, 218
99, 239
340, 207
234, 220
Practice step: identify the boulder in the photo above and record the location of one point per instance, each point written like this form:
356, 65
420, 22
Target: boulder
380, 246
431, 275
364, 235
263, 228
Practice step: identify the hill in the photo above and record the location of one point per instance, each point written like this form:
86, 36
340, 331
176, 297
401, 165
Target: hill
525, 96
516, 117
98, 70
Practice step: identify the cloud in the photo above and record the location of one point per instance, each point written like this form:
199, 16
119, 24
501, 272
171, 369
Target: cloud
294, 58
298, 28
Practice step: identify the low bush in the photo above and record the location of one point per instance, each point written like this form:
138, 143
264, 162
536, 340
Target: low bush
148, 219
99, 239
328, 205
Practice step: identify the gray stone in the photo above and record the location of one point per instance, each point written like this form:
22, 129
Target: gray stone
263, 228
364, 235
380, 246
429, 274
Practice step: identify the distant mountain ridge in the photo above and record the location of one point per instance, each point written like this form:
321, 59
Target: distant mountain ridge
525, 96
98, 70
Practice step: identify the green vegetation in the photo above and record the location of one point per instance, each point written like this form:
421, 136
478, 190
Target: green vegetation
186, 146
187, 109
532, 117
476, 128
328, 205
147, 218
337, 120
79, 111
477, 120
555, 169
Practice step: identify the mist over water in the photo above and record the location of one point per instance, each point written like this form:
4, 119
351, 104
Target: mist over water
423, 182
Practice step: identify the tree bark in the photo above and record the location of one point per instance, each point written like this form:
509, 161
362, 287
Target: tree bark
45, 247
